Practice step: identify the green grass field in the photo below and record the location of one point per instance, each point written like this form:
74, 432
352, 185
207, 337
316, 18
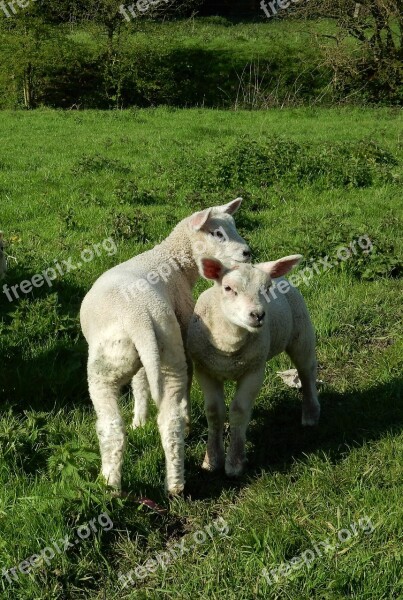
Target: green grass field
313, 180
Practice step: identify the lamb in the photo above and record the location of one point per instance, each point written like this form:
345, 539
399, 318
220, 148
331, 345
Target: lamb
3, 260
136, 315
237, 326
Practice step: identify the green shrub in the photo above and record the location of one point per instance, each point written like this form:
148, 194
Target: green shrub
128, 192
133, 226
382, 261
98, 163
345, 164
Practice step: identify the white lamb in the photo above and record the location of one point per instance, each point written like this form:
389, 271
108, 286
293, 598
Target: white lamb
3, 261
136, 315
238, 325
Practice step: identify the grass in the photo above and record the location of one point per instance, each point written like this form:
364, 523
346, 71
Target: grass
69, 180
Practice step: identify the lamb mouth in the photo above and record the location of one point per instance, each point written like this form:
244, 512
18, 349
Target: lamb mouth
256, 325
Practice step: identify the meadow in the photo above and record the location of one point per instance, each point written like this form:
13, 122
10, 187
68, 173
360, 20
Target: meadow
313, 180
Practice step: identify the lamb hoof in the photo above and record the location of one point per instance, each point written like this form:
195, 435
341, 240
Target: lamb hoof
235, 469
175, 491
112, 481
311, 418
212, 465
139, 422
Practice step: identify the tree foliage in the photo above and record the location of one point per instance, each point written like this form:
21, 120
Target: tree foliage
34, 40
375, 63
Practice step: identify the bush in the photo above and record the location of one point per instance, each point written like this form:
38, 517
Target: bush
153, 64
345, 164
98, 163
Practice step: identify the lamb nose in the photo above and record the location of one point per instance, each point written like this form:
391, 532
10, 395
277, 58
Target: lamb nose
258, 316
246, 253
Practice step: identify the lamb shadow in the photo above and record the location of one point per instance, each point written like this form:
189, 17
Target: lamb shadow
277, 439
54, 375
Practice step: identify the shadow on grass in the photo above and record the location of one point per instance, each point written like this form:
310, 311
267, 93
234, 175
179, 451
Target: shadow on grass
43, 353
278, 439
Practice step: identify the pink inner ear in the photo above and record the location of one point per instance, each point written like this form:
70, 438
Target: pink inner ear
211, 269
233, 206
198, 219
281, 268
278, 268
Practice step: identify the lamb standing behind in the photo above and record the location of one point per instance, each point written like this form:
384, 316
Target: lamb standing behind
136, 315
237, 326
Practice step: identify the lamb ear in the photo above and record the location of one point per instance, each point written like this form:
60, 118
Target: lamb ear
211, 268
280, 267
229, 208
197, 220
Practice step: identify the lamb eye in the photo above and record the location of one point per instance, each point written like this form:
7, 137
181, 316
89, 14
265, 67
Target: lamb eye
229, 289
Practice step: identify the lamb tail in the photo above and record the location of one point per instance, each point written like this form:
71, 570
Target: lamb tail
147, 347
